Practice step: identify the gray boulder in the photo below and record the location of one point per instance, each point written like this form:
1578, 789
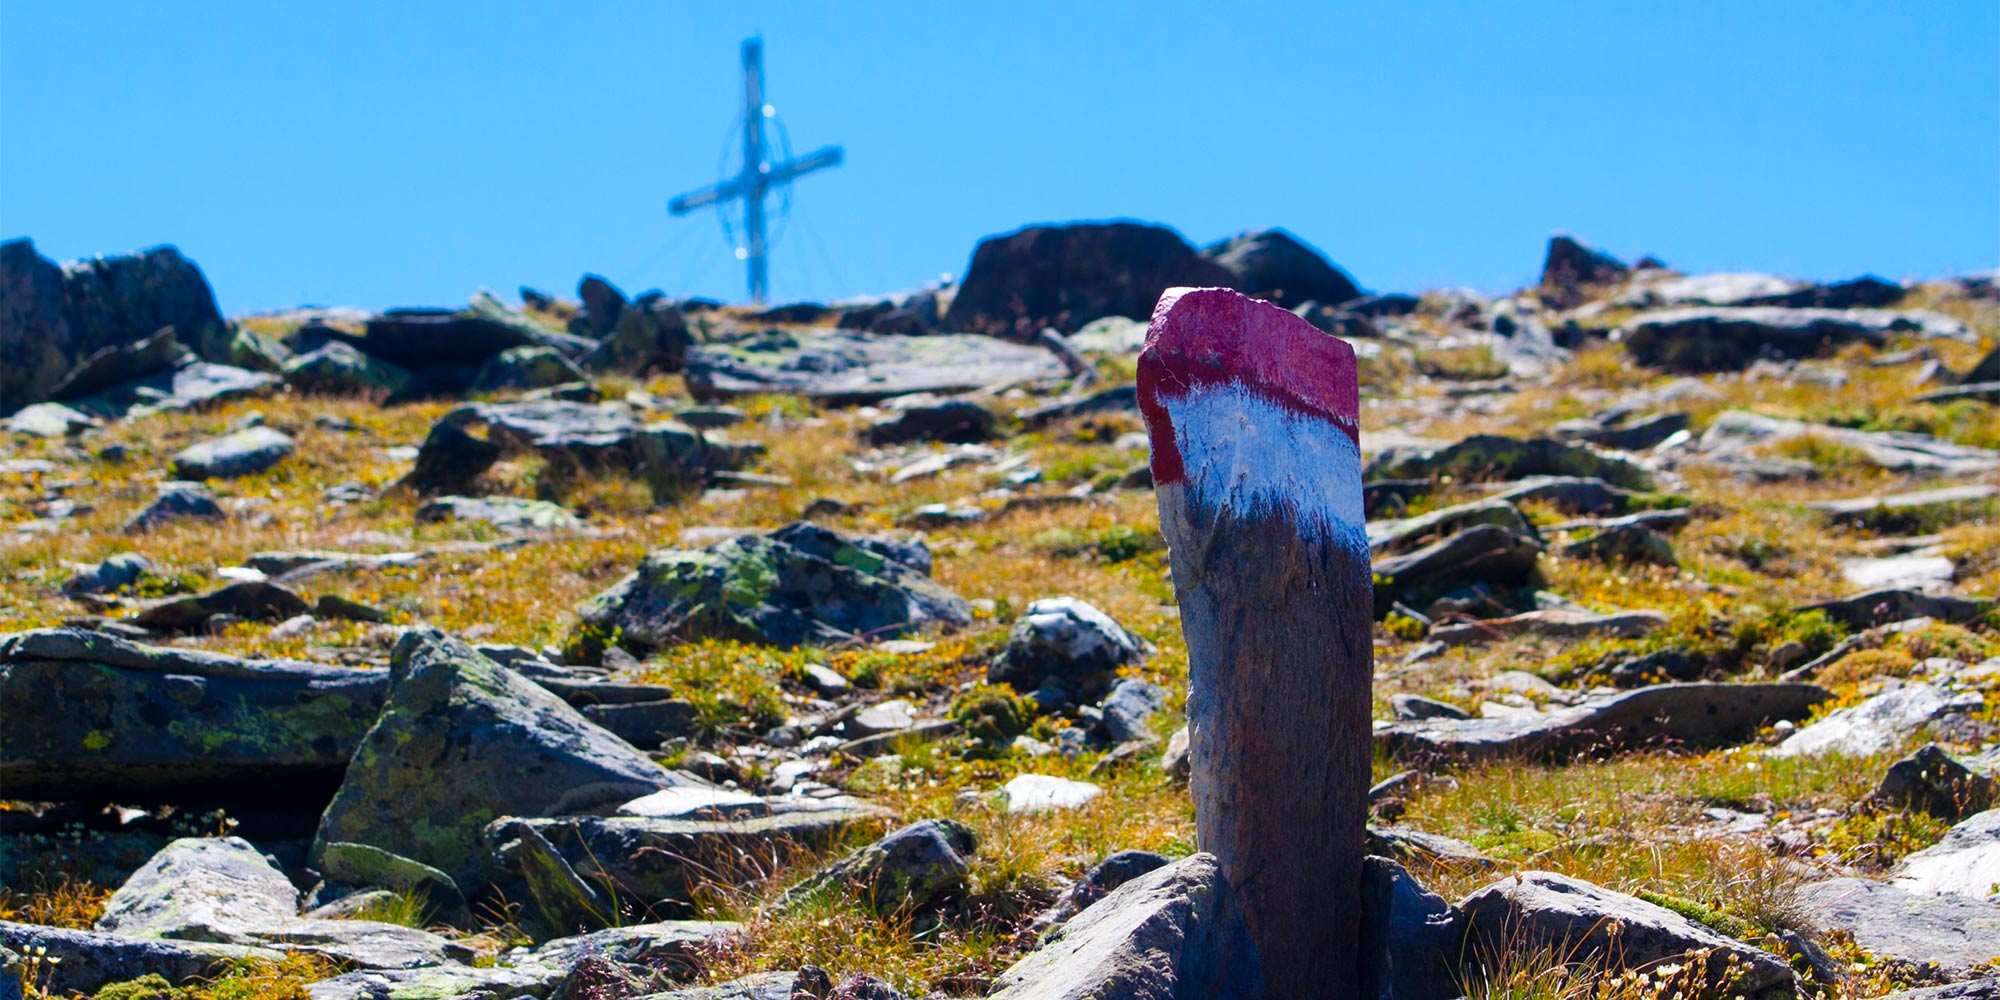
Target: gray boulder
571, 437
1065, 276
1944, 935
175, 501
444, 982
361, 867
1932, 781
657, 862
511, 515
650, 334
799, 584
221, 890
51, 420
1575, 494
1572, 267
338, 368
1876, 724
1487, 554
847, 367
193, 386
254, 600
1411, 939
95, 717
1701, 714
928, 418
244, 453
1388, 538
462, 741
55, 316
1625, 543
906, 870
1273, 264
1965, 863
535, 367
1586, 923
1129, 708
115, 573
121, 363
1880, 607
92, 961
1170, 934
1066, 646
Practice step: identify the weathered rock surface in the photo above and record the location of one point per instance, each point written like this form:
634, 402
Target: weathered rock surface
1626, 542
1131, 704
1388, 538
1411, 939
463, 741
1703, 714
1919, 500
1932, 781
799, 584
1536, 910
1488, 457
1870, 727
1575, 494
187, 387
1943, 934
1880, 607
253, 600
1482, 554
569, 436
55, 316
243, 453
443, 982
1728, 338
90, 716
657, 861
340, 368
50, 420
536, 367
1066, 645
511, 515
91, 961
928, 418
221, 890
1066, 276
1737, 438
1273, 264
445, 338
906, 870
1554, 624
1572, 267
1170, 934
845, 367
121, 363
1966, 862
1033, 793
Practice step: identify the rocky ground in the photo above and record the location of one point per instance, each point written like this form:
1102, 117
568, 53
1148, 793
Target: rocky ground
647, 647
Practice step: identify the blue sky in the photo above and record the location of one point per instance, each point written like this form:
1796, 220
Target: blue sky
397, 153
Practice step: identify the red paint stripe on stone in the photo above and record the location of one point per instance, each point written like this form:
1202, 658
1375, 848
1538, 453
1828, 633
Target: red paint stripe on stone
1210, 337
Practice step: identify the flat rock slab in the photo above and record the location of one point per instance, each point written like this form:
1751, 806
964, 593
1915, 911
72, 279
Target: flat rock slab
657, 861
758, 986
445, 982
696, 803
1918, 571
1703, 714
462, 741
244, 453
192, 386
92, 716
1943, 933
511, 515
799, 584
1920, 500
1966, 862
1487, 457
1870, 727
222, 890
1553, 624
1033, 793
1740, 437
845, 367
1545, 910
91, 960
1880, 607
1726, 338
1170, 933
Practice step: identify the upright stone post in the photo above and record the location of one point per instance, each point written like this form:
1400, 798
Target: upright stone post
1253, 415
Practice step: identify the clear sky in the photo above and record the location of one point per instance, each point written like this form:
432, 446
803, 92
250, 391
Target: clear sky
407, 153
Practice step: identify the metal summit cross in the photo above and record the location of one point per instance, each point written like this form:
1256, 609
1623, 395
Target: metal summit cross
759, 175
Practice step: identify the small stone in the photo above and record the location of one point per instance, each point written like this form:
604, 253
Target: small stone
1031, 793
243, 453
1068, 642
176, 501
1131, 703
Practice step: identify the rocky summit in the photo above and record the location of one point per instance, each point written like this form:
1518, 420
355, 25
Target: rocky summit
636, 645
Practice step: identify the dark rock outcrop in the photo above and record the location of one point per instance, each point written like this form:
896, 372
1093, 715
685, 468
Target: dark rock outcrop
1488, 457
1273, 264
1065, 276
1698, 714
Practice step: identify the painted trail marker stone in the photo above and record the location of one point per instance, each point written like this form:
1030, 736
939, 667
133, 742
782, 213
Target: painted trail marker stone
1254, 419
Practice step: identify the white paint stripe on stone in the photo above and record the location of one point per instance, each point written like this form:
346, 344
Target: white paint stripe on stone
1249, 456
